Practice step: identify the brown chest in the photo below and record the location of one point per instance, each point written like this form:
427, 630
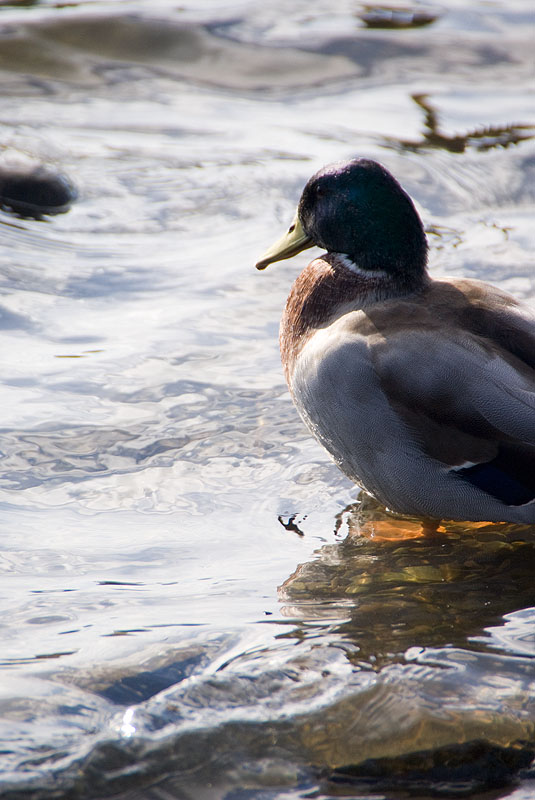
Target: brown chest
323, 291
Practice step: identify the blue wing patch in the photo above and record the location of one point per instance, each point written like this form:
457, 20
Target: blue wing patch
494, 481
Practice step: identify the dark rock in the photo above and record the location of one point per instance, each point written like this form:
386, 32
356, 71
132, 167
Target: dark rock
35, 192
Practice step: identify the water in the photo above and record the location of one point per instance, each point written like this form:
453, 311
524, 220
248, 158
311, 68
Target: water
194, 603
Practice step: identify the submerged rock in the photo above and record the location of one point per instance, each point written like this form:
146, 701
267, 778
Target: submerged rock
457, 770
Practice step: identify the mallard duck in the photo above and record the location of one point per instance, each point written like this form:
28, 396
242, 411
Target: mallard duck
422, 390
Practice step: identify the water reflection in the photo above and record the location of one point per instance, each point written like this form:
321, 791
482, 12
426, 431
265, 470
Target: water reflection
437, 600
436, 590
484, 138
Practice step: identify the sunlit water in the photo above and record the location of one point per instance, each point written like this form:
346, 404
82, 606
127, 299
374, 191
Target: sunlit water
190, 607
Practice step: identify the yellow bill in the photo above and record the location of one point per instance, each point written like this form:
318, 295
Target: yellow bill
293, 241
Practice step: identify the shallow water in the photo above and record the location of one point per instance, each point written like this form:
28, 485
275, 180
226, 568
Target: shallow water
194, 603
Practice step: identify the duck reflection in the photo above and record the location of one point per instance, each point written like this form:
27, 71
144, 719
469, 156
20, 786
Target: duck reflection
390, 584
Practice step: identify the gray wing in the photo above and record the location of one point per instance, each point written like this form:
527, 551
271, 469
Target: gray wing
471, 403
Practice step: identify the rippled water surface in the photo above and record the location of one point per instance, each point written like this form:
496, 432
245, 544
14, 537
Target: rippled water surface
194, 602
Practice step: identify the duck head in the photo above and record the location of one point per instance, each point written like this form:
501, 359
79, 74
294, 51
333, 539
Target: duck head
358, 209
